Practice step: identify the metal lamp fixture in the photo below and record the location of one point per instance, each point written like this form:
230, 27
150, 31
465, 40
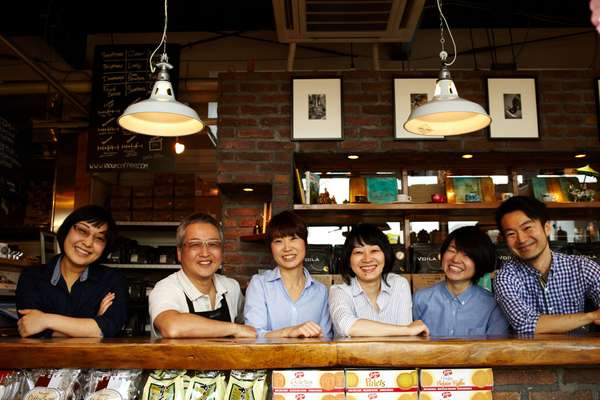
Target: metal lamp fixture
161, 114
446, 114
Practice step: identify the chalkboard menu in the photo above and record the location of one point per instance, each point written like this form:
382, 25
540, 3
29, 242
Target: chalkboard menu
121, 76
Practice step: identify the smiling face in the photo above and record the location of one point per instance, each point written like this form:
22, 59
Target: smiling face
367, 262
84, 244
201, 253
457, 266
289, 252
527, 238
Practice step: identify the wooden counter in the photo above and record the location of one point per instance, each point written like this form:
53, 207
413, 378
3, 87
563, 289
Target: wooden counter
543, 350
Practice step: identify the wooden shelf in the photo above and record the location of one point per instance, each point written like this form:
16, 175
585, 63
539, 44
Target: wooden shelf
257, 238
15, 263
144, 266
350, 213
226, 354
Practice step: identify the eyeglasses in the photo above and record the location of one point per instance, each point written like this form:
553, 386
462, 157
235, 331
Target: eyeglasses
84, 232
197, 245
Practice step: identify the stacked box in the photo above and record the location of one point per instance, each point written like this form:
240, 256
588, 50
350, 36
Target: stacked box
370, 384
426, 258
162, 209
120, 203
184, 189
458, 384
308, 385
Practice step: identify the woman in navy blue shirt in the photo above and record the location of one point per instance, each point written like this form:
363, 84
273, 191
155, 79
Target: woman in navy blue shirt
458, 306
73, 295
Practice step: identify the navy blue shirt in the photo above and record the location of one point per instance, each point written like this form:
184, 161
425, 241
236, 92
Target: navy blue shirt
43, 288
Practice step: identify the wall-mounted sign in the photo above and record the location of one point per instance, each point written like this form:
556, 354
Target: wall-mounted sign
122, 76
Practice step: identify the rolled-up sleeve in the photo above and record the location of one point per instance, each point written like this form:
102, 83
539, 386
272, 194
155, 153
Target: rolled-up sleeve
521, 317
255, 308
592, 280
342, 311
114, 319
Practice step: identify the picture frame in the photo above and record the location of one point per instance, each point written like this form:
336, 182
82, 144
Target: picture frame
513, 107
409, 93
317, 109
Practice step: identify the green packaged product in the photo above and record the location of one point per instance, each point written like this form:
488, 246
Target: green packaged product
165, 385
247, 385
206, 385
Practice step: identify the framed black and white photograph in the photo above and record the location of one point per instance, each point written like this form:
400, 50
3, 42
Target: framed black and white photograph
317, 109
409, 94
513, 107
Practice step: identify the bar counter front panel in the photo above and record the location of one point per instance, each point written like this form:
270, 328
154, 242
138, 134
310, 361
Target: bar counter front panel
227, 354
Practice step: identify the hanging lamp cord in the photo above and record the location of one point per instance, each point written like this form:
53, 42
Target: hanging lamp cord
163, 42
443, 53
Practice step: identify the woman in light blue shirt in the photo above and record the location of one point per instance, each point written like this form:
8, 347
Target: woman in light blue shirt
286, 301
457, 306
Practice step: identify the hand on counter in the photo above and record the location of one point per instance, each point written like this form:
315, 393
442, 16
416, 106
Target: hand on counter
418, 327
244, 331
305, 330
32, 322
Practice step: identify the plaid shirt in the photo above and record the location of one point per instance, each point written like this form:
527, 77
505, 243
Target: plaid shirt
523, 298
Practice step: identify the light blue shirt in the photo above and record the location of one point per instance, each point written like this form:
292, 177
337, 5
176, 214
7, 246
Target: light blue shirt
472, 313
269, 307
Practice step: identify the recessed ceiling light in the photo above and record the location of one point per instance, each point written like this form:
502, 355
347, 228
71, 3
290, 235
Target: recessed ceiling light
248, 189
353, 157
467, 156
581, 155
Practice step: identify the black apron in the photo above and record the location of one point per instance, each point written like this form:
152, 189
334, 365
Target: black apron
220, 314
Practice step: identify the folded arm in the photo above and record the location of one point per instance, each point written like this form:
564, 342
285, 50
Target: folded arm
175, 324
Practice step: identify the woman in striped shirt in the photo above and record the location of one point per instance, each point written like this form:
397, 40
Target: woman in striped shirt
372, 301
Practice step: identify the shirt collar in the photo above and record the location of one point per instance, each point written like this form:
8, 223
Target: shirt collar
531, 270
357, 289
464, 297
192, 291
275, 274
56, 274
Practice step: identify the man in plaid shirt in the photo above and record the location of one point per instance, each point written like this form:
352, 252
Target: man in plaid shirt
539, 290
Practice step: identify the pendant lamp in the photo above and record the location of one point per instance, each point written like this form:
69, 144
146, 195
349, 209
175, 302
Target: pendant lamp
446, 114
161, 114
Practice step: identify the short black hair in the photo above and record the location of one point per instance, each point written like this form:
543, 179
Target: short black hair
94, 215
530, 206
477, 245
365, 234
286, 223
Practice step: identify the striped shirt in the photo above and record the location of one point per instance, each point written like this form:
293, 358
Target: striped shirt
349, 303
523, 297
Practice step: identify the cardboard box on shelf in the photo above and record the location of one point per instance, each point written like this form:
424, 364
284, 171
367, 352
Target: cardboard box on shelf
163, 203
421, 281
162, 215
183, 203
141, 215
457, 379
184, 190
121, 215
142, 203
325, 279
120, 203
163, 190
142, 191
121, 191
184, 179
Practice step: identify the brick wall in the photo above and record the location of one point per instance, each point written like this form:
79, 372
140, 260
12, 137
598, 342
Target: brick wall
254, 135
577, 383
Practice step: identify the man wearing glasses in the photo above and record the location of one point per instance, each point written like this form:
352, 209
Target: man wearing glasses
196, 301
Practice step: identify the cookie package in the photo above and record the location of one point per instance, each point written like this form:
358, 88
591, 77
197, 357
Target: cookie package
456, 395
381, 384
457, 379
308, 384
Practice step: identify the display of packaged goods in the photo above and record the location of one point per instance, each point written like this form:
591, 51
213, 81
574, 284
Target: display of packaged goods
10, 384
426, 258
247, 385
381, 384
308, 381
318, 259
457, 379
53, 384
206, 385
590, 250
165, 385
118, 384
456, 395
